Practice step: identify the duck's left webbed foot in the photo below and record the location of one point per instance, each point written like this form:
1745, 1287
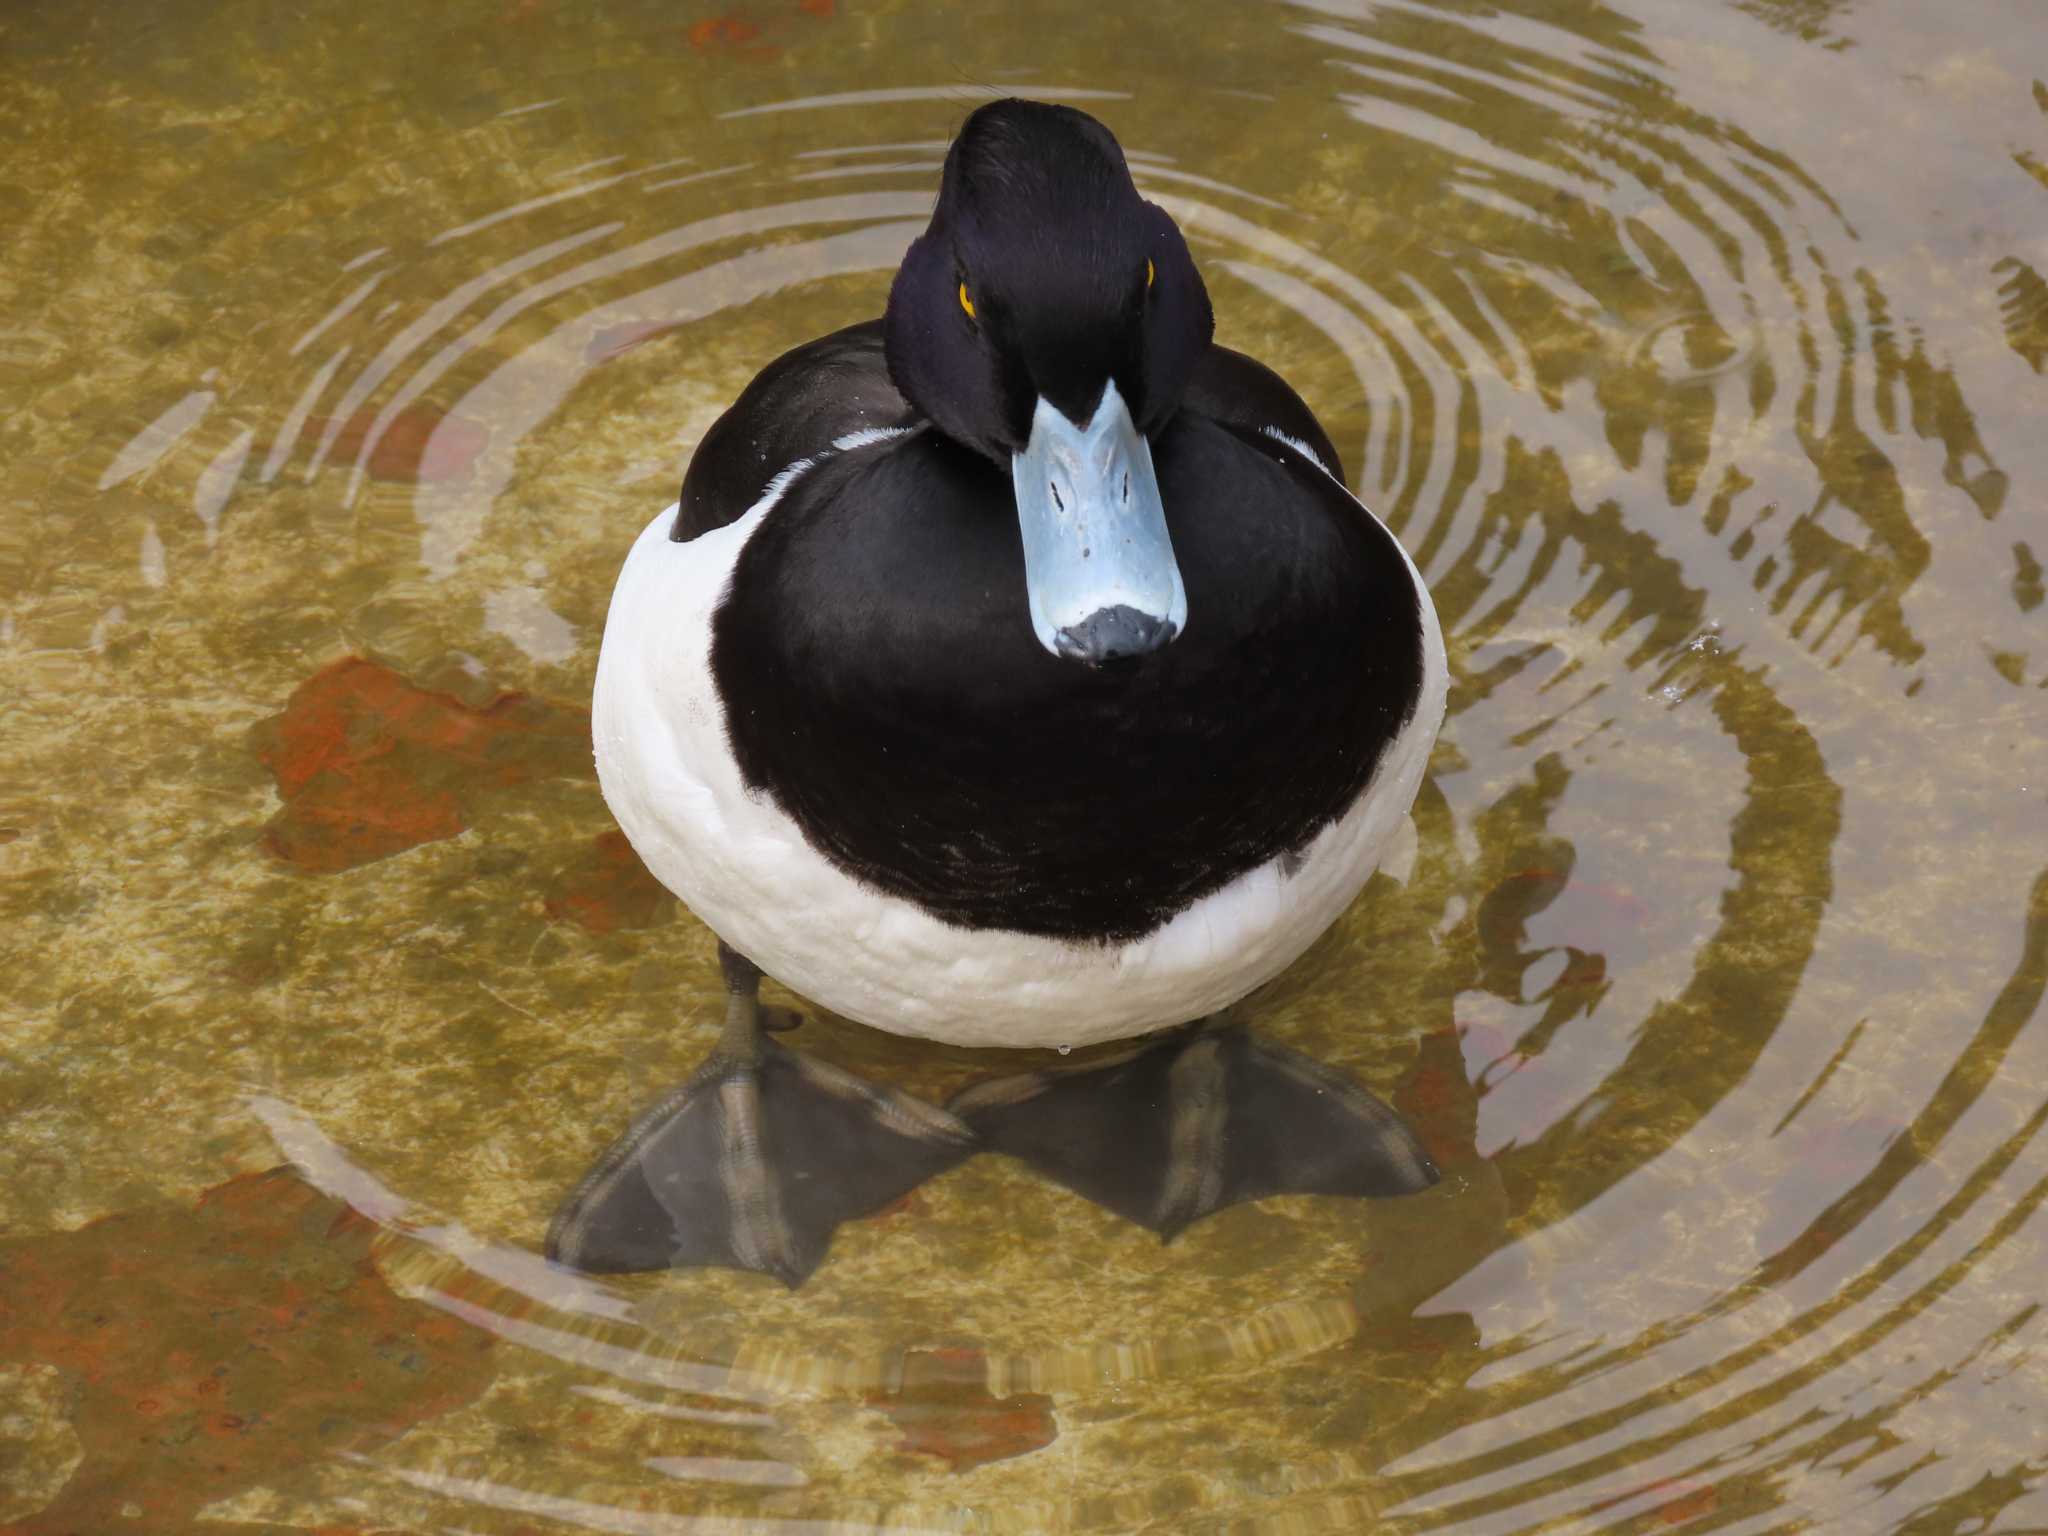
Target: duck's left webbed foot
1173, 1129
754, 1161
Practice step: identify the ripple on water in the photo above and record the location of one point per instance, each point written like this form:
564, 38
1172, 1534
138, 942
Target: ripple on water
1713, 983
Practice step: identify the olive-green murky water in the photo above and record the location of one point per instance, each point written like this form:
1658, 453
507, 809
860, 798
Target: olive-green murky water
1695, 350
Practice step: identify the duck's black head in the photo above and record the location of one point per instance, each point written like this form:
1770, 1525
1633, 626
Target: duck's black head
1043, 274
1049, 318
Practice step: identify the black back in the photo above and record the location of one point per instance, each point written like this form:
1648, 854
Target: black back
812, 395
796, 407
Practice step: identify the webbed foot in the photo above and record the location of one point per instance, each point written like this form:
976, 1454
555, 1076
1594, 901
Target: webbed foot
1176, 1128
754, 1161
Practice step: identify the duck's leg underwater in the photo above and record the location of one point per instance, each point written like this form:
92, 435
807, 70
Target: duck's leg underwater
754, 1161
1172, 1130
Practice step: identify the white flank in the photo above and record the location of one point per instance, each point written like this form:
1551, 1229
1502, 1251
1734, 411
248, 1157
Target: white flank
743, 866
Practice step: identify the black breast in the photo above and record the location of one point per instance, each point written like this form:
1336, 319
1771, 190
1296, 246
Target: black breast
881, 681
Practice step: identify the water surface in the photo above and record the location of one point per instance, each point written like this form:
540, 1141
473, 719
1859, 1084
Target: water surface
1694, 350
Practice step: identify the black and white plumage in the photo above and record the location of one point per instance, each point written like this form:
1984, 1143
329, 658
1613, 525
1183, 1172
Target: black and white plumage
1016, 670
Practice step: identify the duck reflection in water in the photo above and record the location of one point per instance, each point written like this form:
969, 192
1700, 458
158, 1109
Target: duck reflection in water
1015, 670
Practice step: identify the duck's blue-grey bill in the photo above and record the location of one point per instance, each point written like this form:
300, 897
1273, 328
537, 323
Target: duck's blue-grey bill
1098, 564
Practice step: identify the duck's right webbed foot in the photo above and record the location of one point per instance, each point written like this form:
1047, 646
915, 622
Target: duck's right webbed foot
754, 1161
1172, 1129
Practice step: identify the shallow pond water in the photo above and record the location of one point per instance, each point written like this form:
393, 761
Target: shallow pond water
1695, 351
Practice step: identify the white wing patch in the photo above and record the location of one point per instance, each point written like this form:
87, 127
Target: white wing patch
1301, 448
867, 437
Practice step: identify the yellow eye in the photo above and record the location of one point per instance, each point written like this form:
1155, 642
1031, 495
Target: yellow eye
965, 302
1148, 272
